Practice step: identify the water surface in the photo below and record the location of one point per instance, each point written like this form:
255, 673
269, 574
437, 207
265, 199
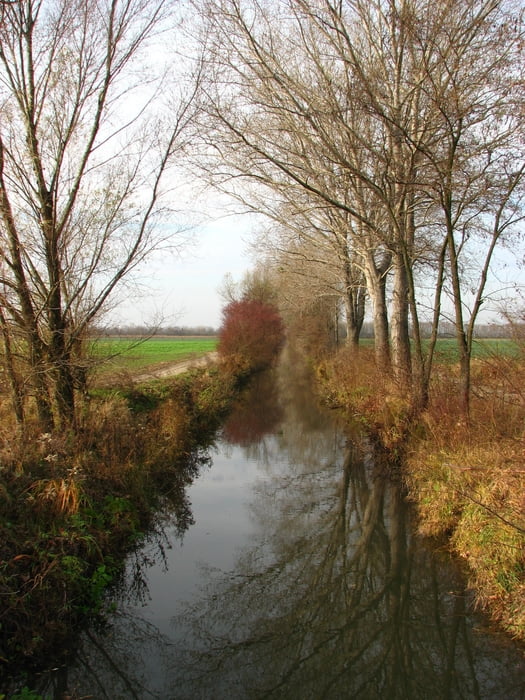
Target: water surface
300, 577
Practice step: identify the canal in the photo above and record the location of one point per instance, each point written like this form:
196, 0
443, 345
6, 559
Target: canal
291, 570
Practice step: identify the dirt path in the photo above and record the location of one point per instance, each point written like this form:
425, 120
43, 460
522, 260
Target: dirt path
172, 370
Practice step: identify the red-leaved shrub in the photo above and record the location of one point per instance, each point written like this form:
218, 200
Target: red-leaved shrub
251, 335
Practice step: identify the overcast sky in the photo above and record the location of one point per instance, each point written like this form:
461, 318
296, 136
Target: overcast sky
183, 289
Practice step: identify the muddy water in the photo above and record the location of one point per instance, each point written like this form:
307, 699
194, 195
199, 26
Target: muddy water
300, 577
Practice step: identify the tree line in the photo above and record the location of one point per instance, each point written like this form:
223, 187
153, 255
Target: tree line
145, 331
382, 140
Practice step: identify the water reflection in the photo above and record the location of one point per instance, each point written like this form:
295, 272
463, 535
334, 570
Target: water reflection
337, 601
330, 595
257, 414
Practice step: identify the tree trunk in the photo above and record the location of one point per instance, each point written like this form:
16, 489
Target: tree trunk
376, 282
461, 336
419, 384
435, 318
352, 328
399, 328
17, 393
43, 402
65, 393
355, 314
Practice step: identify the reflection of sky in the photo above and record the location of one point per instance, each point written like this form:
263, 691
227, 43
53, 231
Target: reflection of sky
268, 587
220, 499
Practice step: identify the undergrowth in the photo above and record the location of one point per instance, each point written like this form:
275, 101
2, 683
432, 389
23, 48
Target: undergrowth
72, 505
466, 477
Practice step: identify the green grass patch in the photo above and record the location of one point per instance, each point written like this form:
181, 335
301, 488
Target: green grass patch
482, 348
126, 353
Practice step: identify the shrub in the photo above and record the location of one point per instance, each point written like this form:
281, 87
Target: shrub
251, 335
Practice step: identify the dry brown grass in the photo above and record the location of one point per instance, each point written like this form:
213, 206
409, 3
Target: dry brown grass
56, 497
167, 432
107, 440
352, 381
468, 482
73, 502
466, 477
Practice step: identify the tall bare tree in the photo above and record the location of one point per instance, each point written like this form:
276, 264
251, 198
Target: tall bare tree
472, 65
406, 115
445, 83
85, 146
314, 248
280, 121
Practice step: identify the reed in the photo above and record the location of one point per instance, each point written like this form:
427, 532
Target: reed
56, 497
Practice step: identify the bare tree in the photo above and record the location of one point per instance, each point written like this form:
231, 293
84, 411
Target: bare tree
85, 148
406, 115
313, 247
445, 82
279, 121
474, 70
298, 113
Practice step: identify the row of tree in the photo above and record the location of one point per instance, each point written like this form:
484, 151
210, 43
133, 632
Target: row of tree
142, 331
384, 140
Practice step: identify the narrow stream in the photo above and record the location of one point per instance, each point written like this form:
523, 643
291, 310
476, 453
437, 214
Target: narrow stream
299, 578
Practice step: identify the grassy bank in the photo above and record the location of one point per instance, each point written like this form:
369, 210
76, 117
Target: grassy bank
72, 506
467, 481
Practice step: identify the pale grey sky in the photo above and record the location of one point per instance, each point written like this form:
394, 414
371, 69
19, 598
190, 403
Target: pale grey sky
183, 290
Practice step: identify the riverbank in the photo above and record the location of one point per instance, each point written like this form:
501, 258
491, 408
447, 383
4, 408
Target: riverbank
72, 506
467, 481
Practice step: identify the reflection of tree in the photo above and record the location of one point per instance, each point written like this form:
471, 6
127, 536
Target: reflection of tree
114, 665
331, 599
173, 515
335, 600
113, 658
281, 420
256, 414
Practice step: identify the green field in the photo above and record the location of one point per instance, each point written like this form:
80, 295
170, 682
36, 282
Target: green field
126, 353
482, 348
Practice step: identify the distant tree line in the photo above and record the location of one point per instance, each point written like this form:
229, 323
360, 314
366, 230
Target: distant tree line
448, 330
145, 331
